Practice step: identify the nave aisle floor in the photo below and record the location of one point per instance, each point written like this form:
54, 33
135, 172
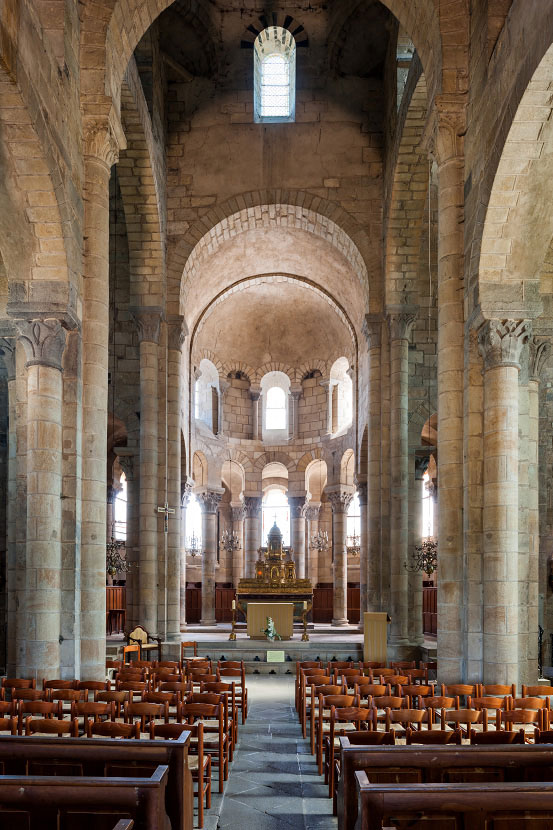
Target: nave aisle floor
273, 782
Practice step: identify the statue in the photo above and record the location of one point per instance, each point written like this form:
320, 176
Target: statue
270, 632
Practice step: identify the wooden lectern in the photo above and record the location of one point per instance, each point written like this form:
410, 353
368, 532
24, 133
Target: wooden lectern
376, 636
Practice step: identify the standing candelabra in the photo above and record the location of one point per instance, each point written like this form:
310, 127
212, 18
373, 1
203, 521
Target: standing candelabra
305, 635
232, 635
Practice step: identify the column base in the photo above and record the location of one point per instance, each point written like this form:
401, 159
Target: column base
212, 622
338, 622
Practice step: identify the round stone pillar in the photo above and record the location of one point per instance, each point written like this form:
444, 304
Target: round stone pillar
175, 341
44, 344
400, 324
500, 343
373, 583
297, 513
340, 501
312, 516
209, 501
255, 395
252, 532
148, 327
362, 492
237, 515
7, 349
100, 153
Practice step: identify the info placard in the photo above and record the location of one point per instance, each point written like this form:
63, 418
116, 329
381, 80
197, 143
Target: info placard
275, 657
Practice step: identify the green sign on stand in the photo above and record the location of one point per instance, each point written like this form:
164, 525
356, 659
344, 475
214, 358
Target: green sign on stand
275, 657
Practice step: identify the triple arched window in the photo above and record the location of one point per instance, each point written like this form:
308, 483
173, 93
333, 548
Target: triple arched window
274, 75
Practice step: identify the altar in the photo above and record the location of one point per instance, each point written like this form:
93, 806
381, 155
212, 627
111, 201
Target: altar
275, 583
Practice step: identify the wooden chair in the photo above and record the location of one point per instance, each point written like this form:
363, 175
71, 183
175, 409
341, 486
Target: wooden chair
146, 713
9, 724
339, 664
326, 689
495, 737
383, 702
18, 683
52, 726
406, 718
134, 687
372, 665
216, 744
8, 708
432, 736
526, 717
239, 676
370, 690
128, 651
339, 717
497, 690
117, 698
417, 675
461, 690
434, 705
457, 718
491, 704
229, 690
188, 644
172, 699
55, 685
415, 690
93, 686
537, 691
302, 665
42, 708
109, 729
308, 683
149, 643
322, 720
403, 664
67, 696
215, 698
29, 694
89, 709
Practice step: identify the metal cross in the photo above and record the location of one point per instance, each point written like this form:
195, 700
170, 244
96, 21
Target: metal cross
166, 510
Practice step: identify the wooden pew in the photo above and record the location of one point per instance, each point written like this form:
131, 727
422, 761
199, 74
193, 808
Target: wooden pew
455, 806
43, 755
436, 764
74, 803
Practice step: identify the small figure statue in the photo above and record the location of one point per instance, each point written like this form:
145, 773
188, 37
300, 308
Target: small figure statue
270, 632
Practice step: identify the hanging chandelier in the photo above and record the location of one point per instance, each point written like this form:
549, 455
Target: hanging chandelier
115, 561
424, 558
354, 544
319, 541
230, 541
194, 547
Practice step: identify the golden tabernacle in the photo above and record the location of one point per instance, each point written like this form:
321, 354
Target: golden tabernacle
275, 579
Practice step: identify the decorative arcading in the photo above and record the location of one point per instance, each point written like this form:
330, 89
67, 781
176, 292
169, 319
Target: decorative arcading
340, 500
539, 351
43, 341
148, 323
252, 507
210, 501
501, 341
7, 350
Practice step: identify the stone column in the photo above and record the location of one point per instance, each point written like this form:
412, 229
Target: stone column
101, 151
255, 395
252, 532
295, 395
385, 472
44, 344
340, 501
417, 468
175, 340
449, 150
540, 350
362, 492
237, 514
501, 342
127, 464
312, 516
7, 350
373, 583
326, 386
209, 500
297, 513
186, 490
523, 539
148, 326
400, 324
21, 503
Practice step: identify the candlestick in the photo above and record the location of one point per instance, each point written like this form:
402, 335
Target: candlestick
232, 635
233, 604
305, 635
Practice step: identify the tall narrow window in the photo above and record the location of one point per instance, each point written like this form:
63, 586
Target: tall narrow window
274, 75
275, 411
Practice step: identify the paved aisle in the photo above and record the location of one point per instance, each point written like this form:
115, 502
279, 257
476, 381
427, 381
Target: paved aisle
273, 783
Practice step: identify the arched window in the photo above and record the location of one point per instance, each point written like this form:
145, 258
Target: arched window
275, 411
276, 509
274, 75
193, 521
353, 521
340, 396
120, 510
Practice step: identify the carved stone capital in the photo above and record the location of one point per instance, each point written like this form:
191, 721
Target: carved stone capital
372, 330
501, 341
186, 491
238, 513
7, 350
312, 512
148, 322
539, 349
297, 506
103, 138
255, 394
363, 492
340, 500
421, 466
126, 462
445, 129
400, 323
252, 507
209, 501
176, 332
296, 394
43, 341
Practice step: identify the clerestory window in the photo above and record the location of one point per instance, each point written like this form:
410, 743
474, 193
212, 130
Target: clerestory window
275, 411
274, 75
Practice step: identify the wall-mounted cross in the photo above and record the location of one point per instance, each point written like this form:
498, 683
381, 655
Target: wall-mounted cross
166, 510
